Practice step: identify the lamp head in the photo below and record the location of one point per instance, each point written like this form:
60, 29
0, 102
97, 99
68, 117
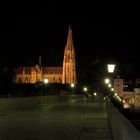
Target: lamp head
111, 68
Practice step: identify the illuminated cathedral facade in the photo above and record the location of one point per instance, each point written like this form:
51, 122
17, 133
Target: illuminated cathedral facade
64, 75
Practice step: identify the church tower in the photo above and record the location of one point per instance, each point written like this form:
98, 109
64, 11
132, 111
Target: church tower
69, 64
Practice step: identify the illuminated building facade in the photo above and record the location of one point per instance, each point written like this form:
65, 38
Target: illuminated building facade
65, 74
128, 91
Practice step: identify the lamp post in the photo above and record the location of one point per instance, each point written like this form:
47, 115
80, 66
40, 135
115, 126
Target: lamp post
110, 69
85, 89
72, 85
46, 81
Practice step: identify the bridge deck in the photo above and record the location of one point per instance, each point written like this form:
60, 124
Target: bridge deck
74, 119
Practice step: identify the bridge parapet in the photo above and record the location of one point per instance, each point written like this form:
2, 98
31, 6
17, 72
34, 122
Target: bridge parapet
121, 128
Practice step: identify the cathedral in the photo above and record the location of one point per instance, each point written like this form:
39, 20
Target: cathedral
65, 74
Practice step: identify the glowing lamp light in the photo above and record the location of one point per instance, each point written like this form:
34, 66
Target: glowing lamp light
95, 93
85, 88
109, 85
72, 85
46, 81
111, 68
107, 81
123, 101
112, 89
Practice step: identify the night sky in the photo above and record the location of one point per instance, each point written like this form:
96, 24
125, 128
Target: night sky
98, 39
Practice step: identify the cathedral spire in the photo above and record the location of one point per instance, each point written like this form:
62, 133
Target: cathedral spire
69, 44
69, 64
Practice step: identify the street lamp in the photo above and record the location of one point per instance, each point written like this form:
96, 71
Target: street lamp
85, 88
46, 81
111, 68
72, 85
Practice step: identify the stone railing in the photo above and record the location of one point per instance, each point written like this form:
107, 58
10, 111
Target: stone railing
122, 129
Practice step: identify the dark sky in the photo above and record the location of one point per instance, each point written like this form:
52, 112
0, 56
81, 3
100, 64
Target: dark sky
99, 39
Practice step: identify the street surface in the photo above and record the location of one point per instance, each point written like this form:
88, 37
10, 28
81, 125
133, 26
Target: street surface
73, 119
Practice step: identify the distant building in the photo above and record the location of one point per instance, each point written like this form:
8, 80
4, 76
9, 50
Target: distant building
65, 74
128, 91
